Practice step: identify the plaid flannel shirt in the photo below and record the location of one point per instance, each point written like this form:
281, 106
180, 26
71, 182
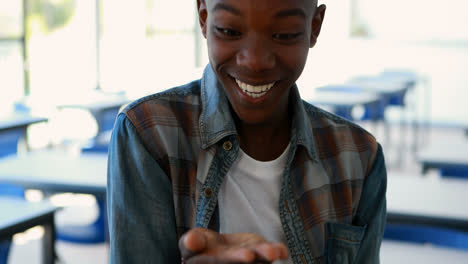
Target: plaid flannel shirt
170, 151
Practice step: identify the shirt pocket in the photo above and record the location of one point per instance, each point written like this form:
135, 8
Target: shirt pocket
342, 242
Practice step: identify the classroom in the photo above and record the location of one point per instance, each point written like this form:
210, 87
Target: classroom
73, 72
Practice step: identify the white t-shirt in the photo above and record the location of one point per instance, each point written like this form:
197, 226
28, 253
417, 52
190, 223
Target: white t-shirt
249, 198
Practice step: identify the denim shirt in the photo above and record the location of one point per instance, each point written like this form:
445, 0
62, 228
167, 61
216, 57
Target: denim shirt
170, 151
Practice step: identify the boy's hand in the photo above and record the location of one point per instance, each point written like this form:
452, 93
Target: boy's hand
201, 245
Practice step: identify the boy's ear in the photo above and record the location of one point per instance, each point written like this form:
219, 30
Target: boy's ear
202, 15
317, 24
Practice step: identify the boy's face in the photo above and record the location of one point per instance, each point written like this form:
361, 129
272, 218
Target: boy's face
258, 49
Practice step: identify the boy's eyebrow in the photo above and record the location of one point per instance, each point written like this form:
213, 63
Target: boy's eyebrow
228, 8
291, 12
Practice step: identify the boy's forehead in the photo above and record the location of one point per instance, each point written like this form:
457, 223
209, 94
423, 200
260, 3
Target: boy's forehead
308, 5
314, 2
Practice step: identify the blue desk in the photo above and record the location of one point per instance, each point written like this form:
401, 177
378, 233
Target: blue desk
430, 201
13, 128
55, 171
342, 103
19, 215
450, 154
392, 252
393, 90
18, 120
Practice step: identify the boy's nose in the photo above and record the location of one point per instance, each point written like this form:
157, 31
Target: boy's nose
256, 56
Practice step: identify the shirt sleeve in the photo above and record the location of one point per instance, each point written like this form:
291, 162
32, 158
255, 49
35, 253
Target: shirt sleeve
372, 211
141, 216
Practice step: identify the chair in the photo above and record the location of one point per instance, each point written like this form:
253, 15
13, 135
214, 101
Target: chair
9, 141
427, 234
457, 171
408, 78
11, 190
411, 79
395, 99
99, 148
100, 142
8, 146
96, 232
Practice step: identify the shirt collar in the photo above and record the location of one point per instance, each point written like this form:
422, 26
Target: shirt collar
216, 121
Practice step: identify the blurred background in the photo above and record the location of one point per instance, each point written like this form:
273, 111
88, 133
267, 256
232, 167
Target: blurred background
398, 68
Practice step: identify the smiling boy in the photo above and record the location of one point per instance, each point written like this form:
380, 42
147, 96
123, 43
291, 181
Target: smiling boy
235, 167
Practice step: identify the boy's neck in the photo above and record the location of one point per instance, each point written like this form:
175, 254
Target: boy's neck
265, 142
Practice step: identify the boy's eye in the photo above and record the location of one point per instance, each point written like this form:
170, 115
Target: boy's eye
287, 36
231, 33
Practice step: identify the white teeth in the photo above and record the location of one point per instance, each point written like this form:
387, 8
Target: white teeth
254, 91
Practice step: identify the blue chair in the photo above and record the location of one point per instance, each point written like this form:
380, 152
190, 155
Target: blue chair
457, 171
427, 234
410, 77
396, 99
11, 190
105, 120
9, 141
9, 146
95, 148
96, 232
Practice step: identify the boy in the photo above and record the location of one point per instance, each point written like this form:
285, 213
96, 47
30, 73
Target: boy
235, 167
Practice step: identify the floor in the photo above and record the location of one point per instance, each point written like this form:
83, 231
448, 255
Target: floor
399, 152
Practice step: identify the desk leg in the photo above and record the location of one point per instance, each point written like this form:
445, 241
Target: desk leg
48, 245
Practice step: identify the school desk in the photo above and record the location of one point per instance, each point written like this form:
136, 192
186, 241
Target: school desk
342, 103
449, 154
392, 252
12, 128
56, 171
429, 201
19, 215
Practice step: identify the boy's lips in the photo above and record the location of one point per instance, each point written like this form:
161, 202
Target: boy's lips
254, 91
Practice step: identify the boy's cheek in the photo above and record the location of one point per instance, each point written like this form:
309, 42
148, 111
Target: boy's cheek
220, 51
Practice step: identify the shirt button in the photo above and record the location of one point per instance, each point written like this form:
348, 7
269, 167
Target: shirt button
227, 145
208, 192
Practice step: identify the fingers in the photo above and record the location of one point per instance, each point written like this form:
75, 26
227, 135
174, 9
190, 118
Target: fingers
195, 240
192, 242
209, 260
229, 256
201, 245
282, 249
271, 251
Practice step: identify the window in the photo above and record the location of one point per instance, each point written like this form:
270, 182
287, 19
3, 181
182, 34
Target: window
76, 46
61, 41
416, 20
147, 46
11, 52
